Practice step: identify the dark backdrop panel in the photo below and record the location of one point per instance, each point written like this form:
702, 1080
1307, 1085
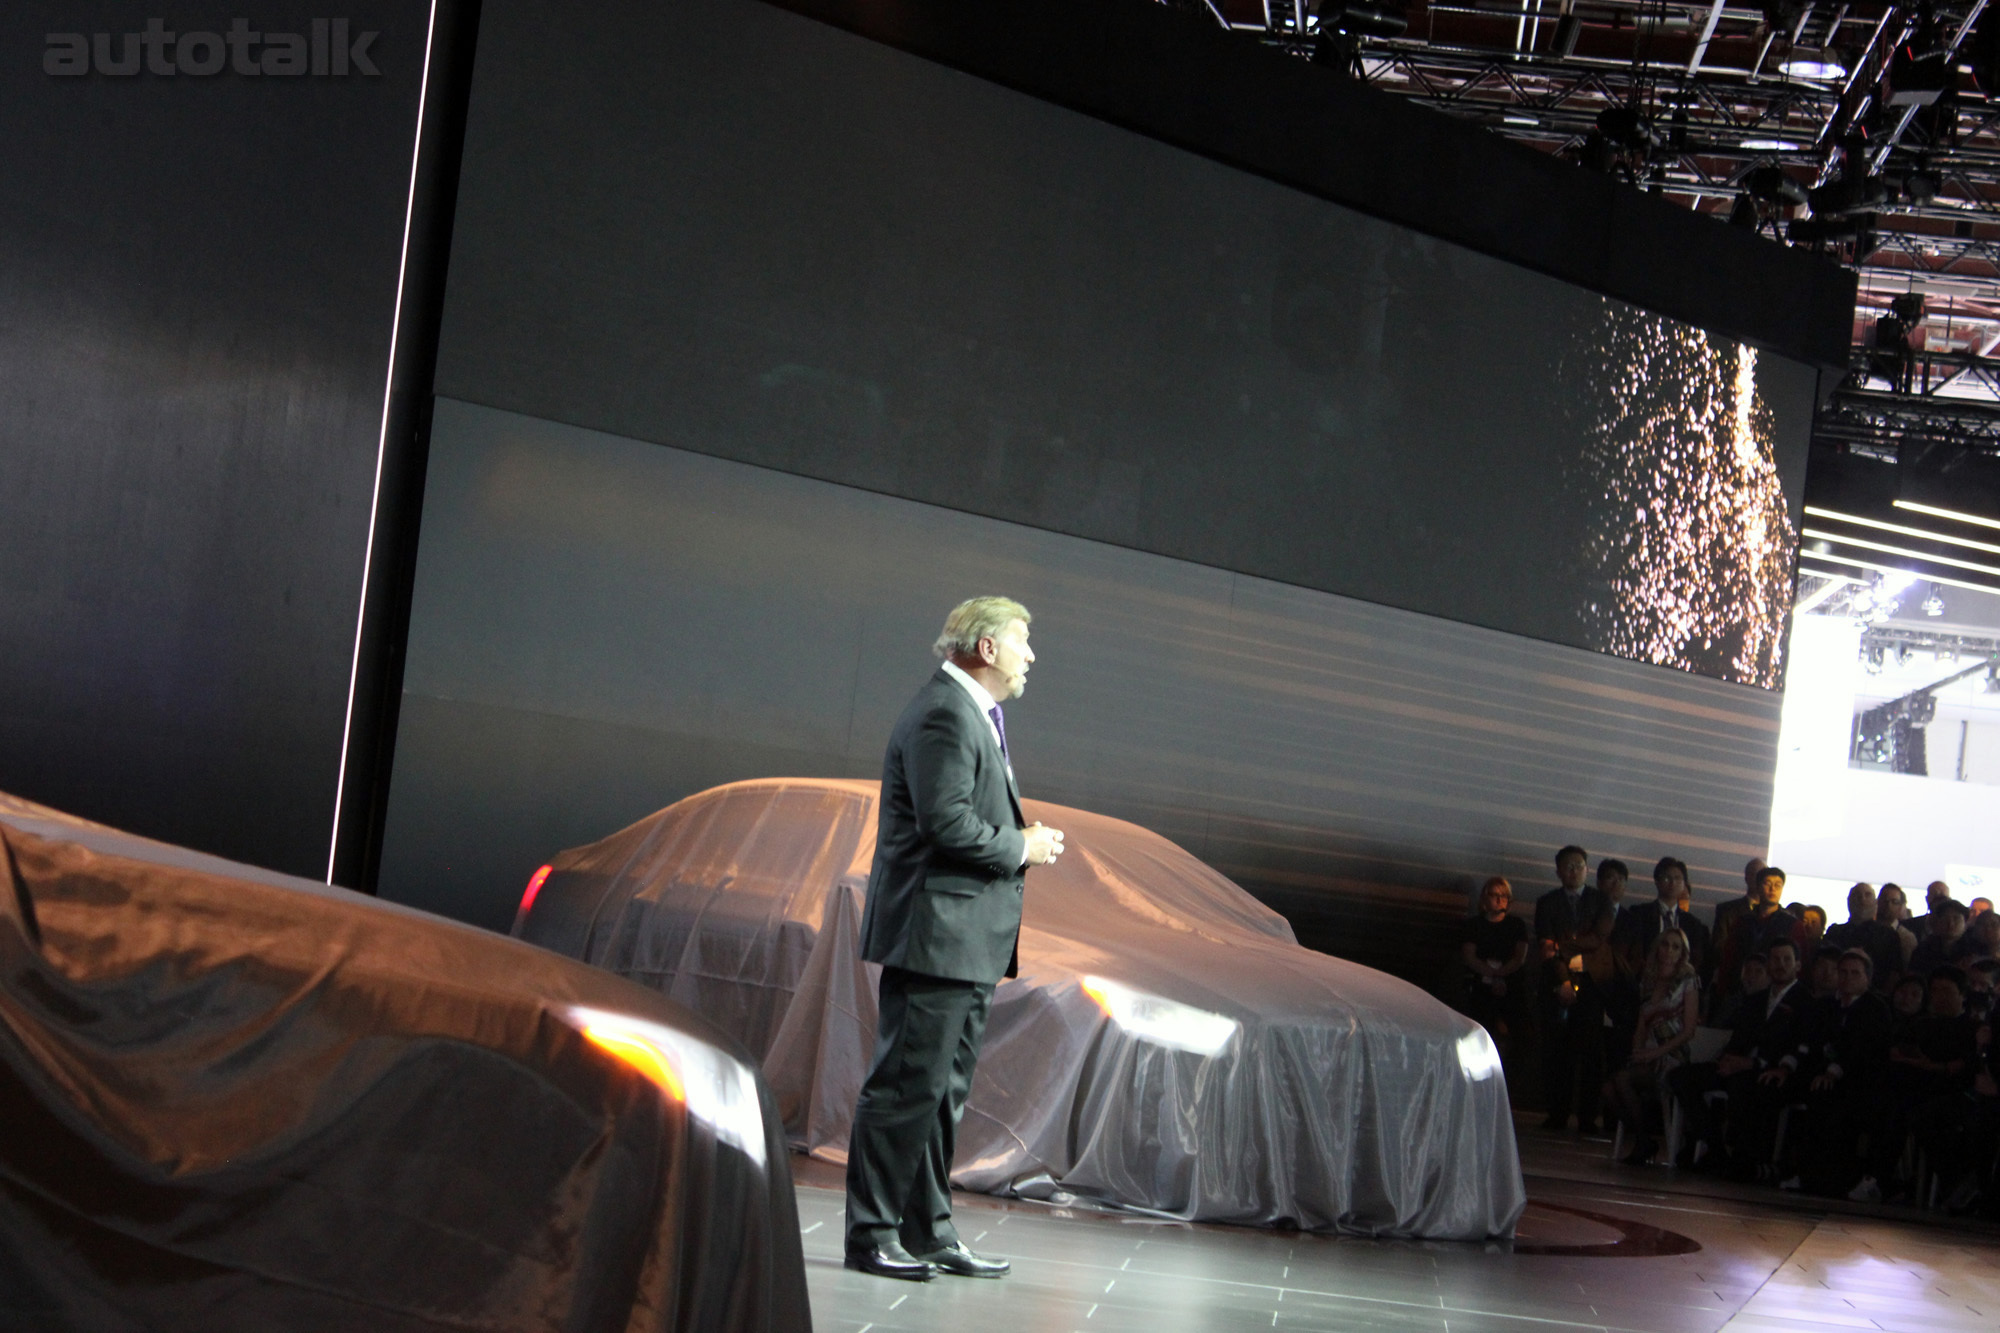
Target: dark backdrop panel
731, 229
603, 626
197, 285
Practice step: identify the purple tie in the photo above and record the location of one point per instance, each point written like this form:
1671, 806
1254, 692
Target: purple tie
1000, 725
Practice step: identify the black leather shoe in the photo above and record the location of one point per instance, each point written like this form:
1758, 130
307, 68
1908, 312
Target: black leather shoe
890, 1259
961, 1262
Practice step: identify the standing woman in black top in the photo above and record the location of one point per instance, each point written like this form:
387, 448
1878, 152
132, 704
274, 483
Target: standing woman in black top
1493, 948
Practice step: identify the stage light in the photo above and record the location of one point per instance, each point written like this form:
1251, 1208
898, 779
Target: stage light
716, 1088
1904, 529
1478, 1057
1770, 183
1159, 1020
1805, 62
1906, 552
1516, 118
1958, 514
1770, 146
1934, 604
1934, 578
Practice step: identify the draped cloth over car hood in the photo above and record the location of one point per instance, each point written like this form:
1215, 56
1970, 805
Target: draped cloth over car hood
1344, 1099
233, 1102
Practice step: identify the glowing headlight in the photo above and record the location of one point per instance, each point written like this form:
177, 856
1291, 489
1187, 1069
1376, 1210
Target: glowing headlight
1161, 1021
716, 1089
1478, 1056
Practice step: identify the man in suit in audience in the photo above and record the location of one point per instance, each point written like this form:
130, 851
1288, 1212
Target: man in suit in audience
1758, 1068
1571, 1025
1843, 1051
1639, 926
943, 917
1719, 984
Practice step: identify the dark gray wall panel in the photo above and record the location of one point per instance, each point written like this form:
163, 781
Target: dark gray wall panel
603, 626
197, 285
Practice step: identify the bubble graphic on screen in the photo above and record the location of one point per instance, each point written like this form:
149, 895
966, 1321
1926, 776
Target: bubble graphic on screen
1687, 543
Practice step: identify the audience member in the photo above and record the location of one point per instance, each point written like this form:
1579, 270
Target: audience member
1893, 910
1862, 931
1936, 894
1759, 1079
1979, 907
1572, 1025
1823, 977
1958, 1132
1943, 929
1980, 941
1982, 988
1725, 917
1493, 948
1640, 926
1931, 1058
1665, 1022
1751, 983
1613, 990
1843, 1050
1812, 917
1762, 922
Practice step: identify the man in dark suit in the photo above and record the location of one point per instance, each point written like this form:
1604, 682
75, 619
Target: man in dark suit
1639, 926
1572, 1024
943, 919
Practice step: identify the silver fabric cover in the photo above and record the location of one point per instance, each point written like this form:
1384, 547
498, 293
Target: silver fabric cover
1167, 1047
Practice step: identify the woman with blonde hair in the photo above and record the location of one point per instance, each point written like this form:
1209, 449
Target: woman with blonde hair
1667, 1022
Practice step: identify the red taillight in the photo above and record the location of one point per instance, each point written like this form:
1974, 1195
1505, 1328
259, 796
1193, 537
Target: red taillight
540, 878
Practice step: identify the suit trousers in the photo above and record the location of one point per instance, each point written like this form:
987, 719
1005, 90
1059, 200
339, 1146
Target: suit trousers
906, 1120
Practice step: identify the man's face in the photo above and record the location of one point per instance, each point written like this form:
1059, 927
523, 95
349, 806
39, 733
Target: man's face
1936, 894
1755, 976
1945, 925
1750, 874
1496, 899
1945, 999
1672, 886
1783, 965
1908, 998
1825, 975
1986, 927
1889, 907
1861, 903
1011, 656
1570, 871
1611, 884
1770, 890
1853, 978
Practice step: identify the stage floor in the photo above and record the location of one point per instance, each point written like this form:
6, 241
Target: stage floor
1596, 1250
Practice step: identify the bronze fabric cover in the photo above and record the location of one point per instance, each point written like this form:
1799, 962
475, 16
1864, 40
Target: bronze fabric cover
1168, 1045
228, 1104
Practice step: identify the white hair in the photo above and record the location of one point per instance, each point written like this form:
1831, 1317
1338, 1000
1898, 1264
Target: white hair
974, 619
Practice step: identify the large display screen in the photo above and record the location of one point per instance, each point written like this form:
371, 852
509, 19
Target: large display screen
730, 229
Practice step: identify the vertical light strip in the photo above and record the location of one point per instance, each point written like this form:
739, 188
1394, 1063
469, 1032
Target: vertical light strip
381, 443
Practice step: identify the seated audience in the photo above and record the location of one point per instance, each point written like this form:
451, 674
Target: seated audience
1936, 894
1930, 1058
1863, 931
1823, 977
1666, 1021
1979, 906
1764, 1032
1980, 941
1813, 918
1843, 1050
1492, 949
1982, 988
1943, 929
1958, 1131
1892, 910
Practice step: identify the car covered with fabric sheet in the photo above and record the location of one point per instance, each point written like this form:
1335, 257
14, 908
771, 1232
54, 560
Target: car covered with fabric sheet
1168, 1046
238, 1101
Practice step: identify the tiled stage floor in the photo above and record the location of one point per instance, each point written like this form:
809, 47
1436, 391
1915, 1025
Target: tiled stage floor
1602, 1257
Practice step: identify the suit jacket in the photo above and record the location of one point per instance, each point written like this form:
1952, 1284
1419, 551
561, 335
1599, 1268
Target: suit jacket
1555, 920
1855, 1037
944, 893
1639, 926
1769, 1038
